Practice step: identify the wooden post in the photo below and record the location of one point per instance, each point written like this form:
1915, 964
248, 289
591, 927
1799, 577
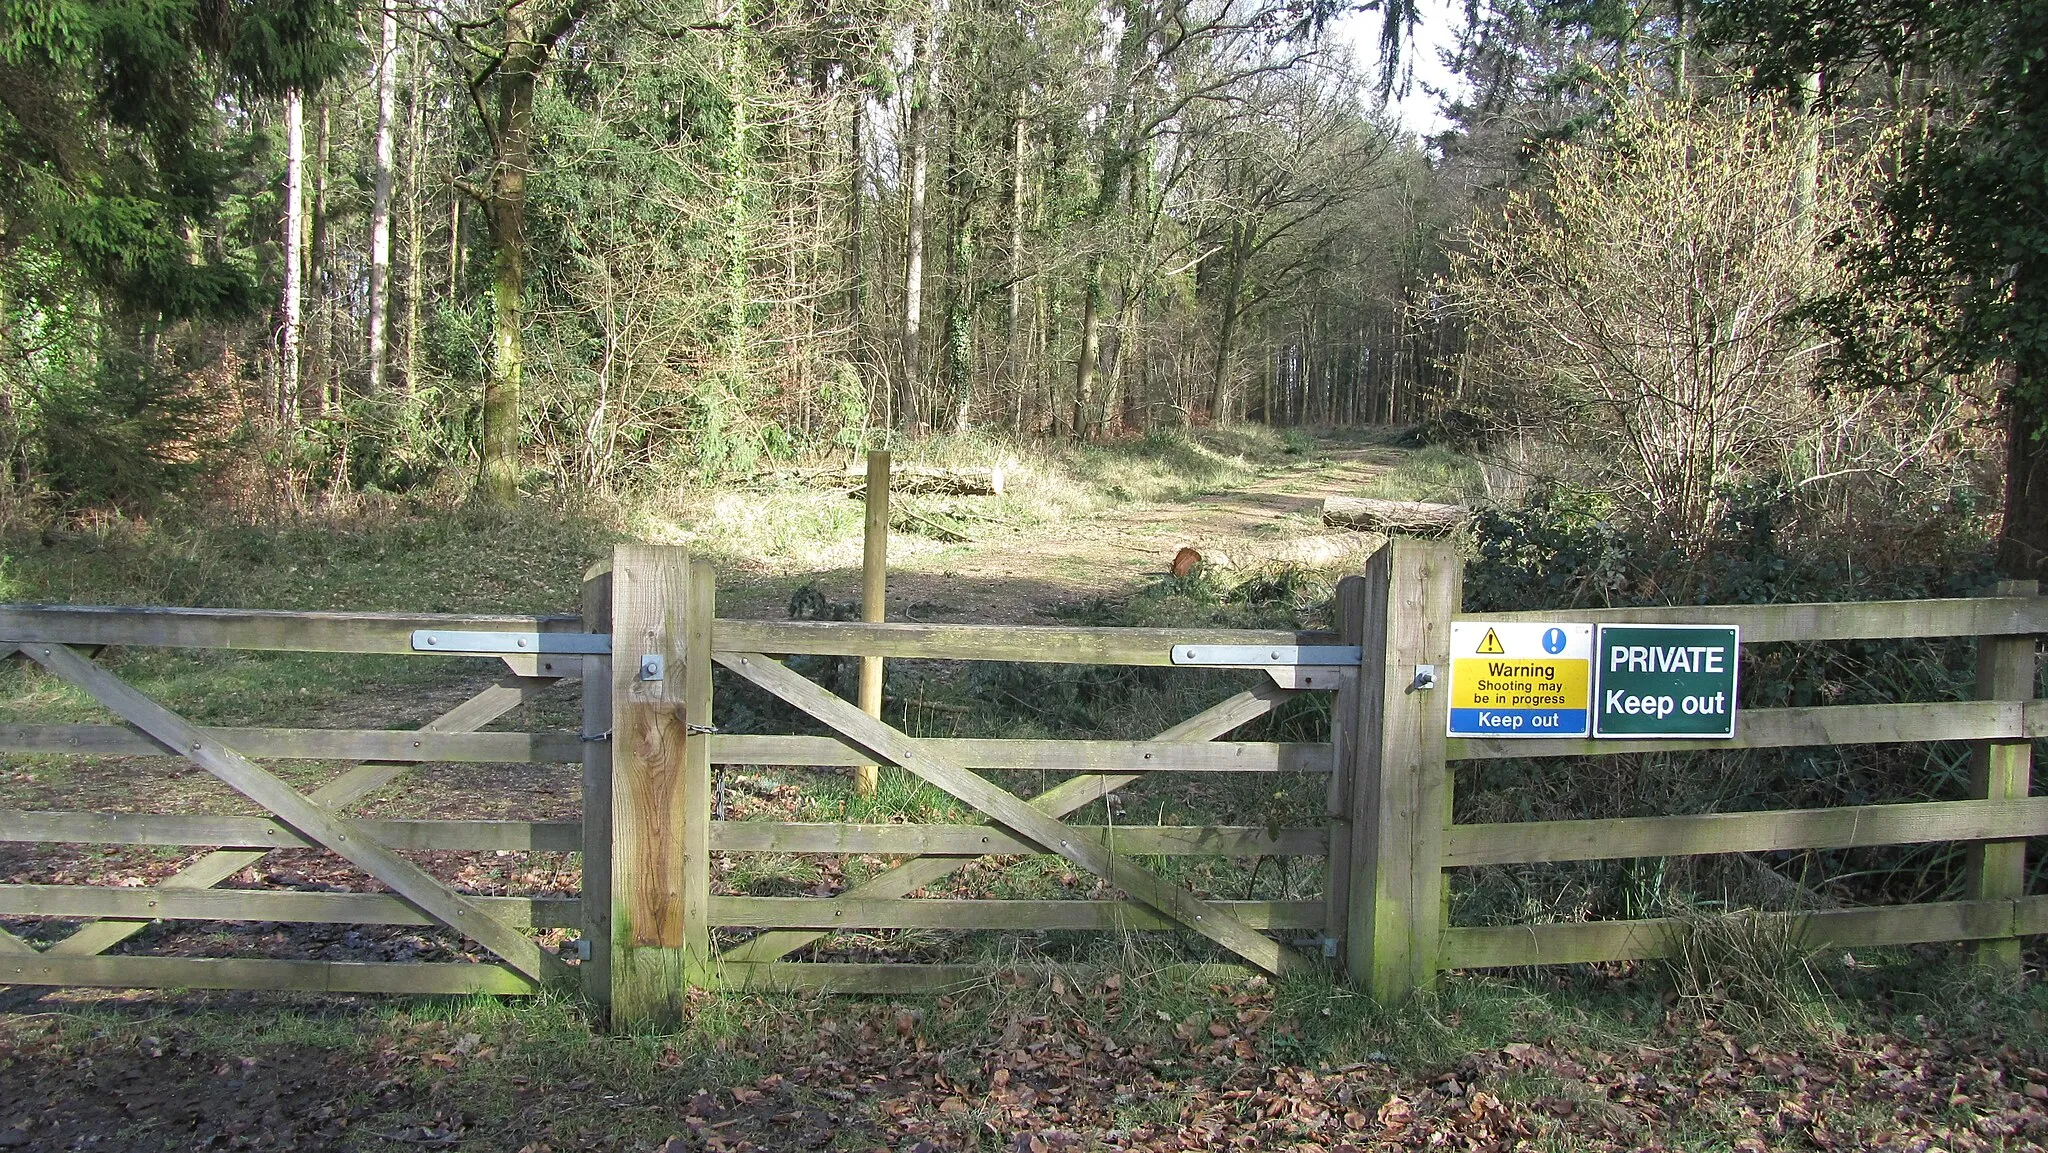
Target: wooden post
660, 782
699, 611
1355, 605
2002, 770
1400, 790
596, 970
874, 600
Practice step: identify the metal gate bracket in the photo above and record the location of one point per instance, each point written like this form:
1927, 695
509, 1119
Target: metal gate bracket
514, 644
1265, 656
1312, 667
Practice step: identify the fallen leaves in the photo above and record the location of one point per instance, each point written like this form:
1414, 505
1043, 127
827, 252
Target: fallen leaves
1041, 1076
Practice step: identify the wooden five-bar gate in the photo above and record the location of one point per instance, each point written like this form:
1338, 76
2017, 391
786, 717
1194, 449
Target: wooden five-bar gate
642, 652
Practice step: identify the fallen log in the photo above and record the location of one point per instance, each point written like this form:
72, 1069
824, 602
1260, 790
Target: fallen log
1414, 517
930, 481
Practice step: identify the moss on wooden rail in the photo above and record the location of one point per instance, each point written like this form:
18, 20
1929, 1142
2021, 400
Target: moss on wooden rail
261, 629
1509, 946
989, 840
267, 905
970, 915
1860, 826
264, 833
133, 972
25, 825
883, 978
1042, 644
399, 745
392, 632
1069, 756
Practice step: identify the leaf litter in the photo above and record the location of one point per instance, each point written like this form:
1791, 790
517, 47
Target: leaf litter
1038, 1070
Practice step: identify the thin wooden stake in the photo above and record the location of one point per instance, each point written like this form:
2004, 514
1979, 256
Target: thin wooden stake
874, 600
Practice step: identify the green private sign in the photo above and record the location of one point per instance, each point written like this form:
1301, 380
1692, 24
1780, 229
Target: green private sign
1665, 681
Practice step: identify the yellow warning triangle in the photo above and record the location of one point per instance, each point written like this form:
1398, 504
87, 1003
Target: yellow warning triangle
1491, 645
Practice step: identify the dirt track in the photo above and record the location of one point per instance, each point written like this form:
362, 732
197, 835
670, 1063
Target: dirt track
1012, 577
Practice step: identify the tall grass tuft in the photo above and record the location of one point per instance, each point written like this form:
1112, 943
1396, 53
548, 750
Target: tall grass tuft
1749, 969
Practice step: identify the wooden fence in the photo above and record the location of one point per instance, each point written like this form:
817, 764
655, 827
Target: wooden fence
642, 652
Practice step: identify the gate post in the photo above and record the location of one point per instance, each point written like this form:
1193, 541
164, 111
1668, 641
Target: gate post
2001, 770
662, 607
596, 969
1400, 785
1358, 600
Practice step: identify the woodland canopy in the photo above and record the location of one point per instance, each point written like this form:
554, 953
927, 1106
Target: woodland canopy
270, 251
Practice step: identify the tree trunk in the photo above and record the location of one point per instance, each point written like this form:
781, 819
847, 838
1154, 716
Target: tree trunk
2023, 543
323, 362
1808, 180
506, 216
856, 202
415, 272
736, 176
1013, 343
959, 293
1680, 47
907, 388
294, 256
454, 244
380, 201
1226, 329
1091, 349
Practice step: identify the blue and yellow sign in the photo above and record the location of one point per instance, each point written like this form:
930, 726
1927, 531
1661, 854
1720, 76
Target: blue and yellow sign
1525, 679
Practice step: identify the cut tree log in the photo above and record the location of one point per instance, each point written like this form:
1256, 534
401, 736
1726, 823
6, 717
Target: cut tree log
1414, 517
930, 481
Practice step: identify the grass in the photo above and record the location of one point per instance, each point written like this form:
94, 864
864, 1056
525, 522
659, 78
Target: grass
1432, 473
801, 521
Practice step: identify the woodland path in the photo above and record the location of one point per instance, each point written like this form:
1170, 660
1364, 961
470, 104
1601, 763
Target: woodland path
1017, 576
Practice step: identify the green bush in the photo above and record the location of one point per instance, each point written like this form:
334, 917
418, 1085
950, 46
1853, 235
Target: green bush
123, 436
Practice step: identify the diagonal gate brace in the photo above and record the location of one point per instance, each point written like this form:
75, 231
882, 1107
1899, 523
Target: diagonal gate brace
337, 794
314, 821
1016, 815
1063, 798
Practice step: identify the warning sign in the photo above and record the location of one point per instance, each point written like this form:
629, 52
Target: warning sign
1525, 679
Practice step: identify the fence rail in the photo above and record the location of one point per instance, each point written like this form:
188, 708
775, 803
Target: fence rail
1992, 616
2003, 723
2016, 720
651, 920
